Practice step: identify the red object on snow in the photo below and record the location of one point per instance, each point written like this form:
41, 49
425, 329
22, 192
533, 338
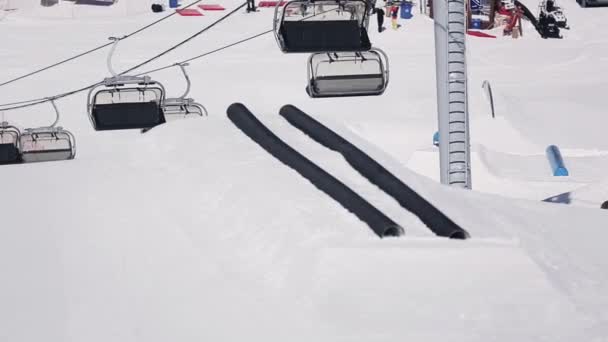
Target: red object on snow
189, 12
480, 34
504, 11
394, 12
515, 16
271, 3
213, 7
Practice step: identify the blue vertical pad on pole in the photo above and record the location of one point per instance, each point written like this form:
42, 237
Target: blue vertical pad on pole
556, 161
406, 10
436, 139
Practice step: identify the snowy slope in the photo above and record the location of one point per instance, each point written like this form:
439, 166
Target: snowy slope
192, 232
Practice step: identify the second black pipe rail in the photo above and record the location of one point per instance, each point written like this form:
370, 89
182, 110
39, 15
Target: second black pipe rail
432, 217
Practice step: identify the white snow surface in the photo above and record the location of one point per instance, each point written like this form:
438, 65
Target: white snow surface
192, 232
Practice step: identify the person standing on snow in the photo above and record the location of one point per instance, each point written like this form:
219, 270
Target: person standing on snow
251, 6
380, 16
394, 14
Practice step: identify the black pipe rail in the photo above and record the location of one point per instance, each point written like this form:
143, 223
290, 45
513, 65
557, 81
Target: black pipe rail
260, 134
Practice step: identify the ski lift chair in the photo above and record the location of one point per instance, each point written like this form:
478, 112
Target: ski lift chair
183, 107
364, 73
125, 102
47, 143
9, 144
322, 26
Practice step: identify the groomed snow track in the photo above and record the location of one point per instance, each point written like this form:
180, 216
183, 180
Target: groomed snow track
432, 217
247, 122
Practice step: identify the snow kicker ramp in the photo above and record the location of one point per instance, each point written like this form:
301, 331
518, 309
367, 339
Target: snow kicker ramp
253, 128
437, 221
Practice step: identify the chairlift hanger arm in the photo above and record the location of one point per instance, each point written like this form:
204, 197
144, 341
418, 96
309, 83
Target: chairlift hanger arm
183, 66
4, 126
56, 113
115, 41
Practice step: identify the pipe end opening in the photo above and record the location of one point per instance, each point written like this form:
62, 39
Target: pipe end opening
459, 235
393, 231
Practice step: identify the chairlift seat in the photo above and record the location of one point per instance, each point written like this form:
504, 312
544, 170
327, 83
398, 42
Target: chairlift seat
47, 155
9, 153
9, 145
175, 108
347, 85
126, 104
119, 116
347, 74
47, 144
182, 107
324, 26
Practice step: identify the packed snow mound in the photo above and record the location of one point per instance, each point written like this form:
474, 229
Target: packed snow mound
160, 226
193, 217
453, 298
202, 176
583, 167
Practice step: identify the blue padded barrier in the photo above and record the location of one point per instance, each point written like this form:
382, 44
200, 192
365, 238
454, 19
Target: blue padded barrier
556, 161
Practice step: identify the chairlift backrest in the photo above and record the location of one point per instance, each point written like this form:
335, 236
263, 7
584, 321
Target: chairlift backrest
137, 94
322, 26
126, 103
359, 73
47, 144
9, 144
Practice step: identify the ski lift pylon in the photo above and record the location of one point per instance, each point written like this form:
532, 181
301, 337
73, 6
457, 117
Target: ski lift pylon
49, 143
361, 73
125, 102
9, 144
322, 25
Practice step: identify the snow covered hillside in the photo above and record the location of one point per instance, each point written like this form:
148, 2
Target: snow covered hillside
192, 232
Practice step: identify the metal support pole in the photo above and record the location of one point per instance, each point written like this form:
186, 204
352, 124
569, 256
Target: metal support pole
452, 103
